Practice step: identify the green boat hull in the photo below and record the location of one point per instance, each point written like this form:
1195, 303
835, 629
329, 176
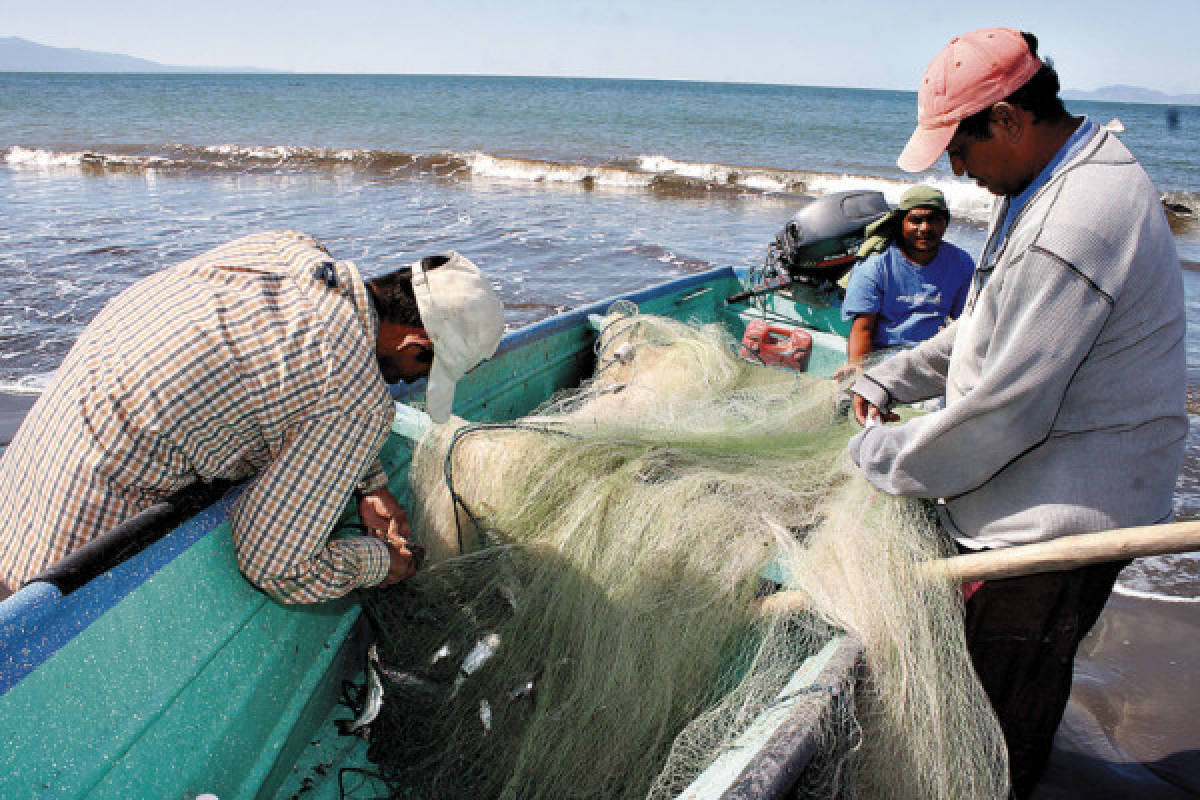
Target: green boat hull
169, 676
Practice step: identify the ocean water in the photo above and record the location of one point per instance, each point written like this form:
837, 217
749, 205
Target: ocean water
564, 190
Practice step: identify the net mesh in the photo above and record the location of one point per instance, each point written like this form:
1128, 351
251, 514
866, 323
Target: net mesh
591, 621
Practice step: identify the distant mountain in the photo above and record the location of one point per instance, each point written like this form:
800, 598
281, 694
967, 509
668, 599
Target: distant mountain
22, 55
1121, 93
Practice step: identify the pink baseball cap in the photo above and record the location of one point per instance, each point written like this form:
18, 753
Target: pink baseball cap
971, 73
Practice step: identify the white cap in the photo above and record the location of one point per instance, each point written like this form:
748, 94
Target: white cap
464, 318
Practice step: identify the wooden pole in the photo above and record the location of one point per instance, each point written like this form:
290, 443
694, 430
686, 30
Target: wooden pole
1070, 552
1066, 552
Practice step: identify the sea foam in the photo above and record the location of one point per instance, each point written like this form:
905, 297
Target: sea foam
18, 156
1169, 578
32, 384
484, 165
658, 172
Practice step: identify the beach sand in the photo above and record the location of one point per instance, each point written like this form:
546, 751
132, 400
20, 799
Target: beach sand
1132, 728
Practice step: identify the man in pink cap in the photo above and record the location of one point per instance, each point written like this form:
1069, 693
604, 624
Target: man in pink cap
1063, 377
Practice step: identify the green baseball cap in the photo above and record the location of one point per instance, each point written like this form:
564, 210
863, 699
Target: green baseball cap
924, 197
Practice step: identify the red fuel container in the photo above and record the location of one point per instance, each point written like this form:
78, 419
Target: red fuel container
776, 344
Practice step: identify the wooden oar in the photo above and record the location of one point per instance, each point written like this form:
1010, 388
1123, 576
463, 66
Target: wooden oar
1066, 552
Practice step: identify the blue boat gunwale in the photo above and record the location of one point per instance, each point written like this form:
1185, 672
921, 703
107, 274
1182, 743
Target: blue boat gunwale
38, 600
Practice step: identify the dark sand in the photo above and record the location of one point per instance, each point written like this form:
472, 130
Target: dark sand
1132, 729
1133, 726
13, 408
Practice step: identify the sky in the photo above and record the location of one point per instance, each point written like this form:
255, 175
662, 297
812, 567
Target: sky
873, 44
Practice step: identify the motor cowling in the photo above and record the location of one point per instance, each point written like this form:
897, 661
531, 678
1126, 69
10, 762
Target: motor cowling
819, 243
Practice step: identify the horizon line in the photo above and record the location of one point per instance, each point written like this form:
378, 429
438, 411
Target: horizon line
178, 69
156, 67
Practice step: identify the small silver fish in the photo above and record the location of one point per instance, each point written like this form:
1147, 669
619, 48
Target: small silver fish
527, 690
485, 715
407, 681
443, 652
509, 594
484, 649
374, 703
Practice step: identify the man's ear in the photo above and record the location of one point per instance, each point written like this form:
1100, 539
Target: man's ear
412, 339
394, 337
1010, 120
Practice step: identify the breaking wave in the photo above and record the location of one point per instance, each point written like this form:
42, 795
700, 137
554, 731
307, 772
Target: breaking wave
234, 158
1170, 578
33, 384
655, 173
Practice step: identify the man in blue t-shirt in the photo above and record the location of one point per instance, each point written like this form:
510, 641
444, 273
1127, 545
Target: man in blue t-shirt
909, 291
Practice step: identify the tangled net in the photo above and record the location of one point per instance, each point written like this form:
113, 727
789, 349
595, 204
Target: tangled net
589, 624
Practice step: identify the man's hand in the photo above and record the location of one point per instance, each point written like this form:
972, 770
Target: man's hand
384, 518
847, 372
379, 509
864, 411
403, 564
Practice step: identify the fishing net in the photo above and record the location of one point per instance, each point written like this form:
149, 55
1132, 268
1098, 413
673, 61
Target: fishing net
592, 623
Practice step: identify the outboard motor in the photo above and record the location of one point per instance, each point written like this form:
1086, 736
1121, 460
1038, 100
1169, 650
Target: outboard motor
819, 243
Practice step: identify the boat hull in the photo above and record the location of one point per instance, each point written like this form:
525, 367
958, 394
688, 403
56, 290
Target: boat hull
169, 675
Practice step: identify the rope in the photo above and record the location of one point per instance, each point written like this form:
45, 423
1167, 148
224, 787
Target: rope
448, 464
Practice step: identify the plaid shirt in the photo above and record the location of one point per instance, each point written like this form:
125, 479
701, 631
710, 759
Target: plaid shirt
242, 361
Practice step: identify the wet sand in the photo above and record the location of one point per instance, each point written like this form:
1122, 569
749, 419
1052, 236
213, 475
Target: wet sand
1133, 725
13, 408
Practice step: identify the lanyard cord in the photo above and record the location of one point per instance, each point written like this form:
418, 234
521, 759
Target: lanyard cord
448, 464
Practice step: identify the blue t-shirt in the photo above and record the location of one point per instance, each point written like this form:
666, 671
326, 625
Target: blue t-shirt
913, 302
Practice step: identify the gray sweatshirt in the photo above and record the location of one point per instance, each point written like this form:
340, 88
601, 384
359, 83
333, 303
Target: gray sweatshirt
1064, 377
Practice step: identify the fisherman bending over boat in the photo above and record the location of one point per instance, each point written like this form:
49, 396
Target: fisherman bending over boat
1064, 376
266, 359
910, 285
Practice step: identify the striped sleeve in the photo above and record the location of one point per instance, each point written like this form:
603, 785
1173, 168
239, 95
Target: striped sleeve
373, 479
282, 522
